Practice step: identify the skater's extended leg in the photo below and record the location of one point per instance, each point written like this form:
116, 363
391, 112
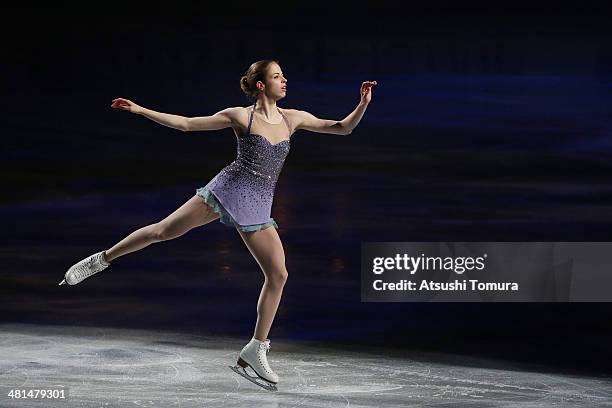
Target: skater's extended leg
194, 213
267, 249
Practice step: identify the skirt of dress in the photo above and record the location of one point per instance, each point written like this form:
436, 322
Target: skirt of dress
225, 217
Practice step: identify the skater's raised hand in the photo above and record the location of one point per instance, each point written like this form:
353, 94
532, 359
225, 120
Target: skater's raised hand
366, 91
126, 104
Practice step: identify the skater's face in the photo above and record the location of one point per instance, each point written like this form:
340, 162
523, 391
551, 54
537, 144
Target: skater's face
276, 83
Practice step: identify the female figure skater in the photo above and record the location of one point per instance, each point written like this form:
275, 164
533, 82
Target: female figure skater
240, 194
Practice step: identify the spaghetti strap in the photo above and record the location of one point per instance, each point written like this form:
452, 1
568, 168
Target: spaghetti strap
285, 119
251, 119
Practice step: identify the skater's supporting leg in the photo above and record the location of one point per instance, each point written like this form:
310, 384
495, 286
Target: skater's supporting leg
267, 249
194, 213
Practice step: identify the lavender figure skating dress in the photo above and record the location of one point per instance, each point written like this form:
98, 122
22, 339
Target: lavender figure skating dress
243, 191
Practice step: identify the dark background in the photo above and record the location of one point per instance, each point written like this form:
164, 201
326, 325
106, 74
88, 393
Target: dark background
488, 123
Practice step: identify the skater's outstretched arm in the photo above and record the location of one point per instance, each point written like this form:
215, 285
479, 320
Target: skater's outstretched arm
166, 119
307, 121
220, 120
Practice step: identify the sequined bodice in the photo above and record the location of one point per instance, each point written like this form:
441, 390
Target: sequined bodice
260, 157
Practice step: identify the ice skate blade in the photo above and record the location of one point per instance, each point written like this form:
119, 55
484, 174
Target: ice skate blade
255, 380
62, 283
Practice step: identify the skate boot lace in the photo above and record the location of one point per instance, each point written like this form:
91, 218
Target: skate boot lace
86, 269
264, 360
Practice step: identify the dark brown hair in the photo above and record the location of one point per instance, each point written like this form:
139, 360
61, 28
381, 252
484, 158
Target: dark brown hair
256, 72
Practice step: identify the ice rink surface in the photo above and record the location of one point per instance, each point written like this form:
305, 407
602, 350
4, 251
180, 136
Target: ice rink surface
110, 367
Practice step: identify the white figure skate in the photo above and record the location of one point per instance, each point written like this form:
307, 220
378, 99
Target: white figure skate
254, 355
85, 268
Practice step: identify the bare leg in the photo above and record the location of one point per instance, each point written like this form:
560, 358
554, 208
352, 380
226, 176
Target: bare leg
194, 213
267, 248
